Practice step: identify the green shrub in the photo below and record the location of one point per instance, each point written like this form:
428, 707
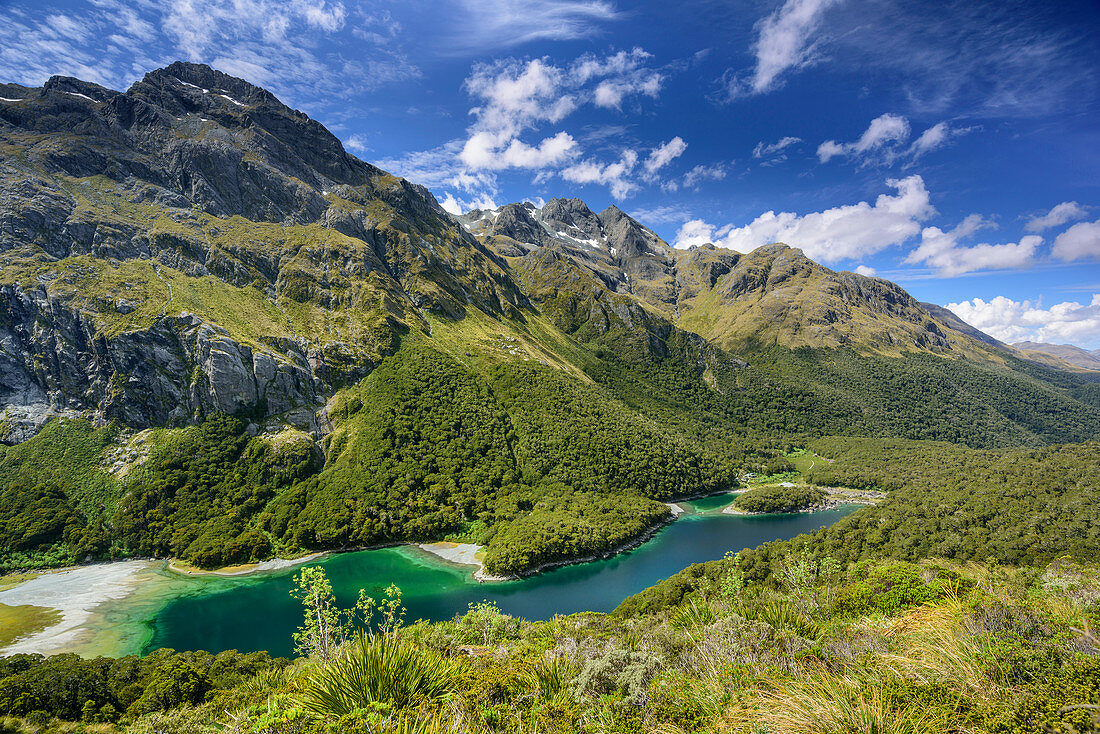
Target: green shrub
617, 672
887, 590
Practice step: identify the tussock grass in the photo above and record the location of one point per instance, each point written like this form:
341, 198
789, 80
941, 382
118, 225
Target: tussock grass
379, 670
832, 705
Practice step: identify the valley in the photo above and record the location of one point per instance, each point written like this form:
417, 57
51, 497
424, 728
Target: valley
703, 486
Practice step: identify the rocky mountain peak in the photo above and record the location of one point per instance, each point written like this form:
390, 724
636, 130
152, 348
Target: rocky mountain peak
78, 88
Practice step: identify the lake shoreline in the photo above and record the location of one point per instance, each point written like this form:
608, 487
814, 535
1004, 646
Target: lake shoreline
482, 576
77, 594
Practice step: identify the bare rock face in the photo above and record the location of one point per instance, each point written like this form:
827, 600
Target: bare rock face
205, 177
53, 362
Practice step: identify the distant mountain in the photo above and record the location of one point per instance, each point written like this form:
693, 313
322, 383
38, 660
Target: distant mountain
774, 295
1065, 353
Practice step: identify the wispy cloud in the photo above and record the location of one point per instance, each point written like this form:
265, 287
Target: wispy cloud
269, 42
784, 43
977, 59
482, 25
884, 142
701, 173
772, 153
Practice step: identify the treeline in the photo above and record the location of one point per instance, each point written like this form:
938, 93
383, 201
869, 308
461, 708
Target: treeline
815, 392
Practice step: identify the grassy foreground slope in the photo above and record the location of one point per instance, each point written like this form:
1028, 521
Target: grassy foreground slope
930, 648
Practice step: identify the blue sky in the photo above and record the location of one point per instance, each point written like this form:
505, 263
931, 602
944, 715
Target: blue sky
952, 147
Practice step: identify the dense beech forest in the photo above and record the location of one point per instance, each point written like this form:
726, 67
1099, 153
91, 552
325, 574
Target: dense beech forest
524, 458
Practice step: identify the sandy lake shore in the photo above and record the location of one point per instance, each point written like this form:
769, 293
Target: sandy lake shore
75, 593
275, 564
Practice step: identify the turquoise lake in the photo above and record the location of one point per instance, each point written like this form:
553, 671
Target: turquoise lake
258, 613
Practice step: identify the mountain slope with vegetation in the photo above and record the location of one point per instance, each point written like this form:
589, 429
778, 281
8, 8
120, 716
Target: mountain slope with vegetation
257, 344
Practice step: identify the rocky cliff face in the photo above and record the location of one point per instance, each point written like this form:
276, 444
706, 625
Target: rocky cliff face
194, 245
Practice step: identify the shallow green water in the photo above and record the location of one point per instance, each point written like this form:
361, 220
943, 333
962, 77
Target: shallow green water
711, 503
258, 613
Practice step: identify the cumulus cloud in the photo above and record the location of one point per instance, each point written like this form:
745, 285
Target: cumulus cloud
516, 96
884, 141
1067, 211
490, 151
844, 232
458, 206
784, 42
1015, 321
942, 250
613, 175
866, 270
1079, 242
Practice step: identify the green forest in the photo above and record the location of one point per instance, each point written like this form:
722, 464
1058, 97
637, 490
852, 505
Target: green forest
526, 459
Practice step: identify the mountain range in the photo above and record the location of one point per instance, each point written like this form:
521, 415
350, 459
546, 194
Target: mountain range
212, 292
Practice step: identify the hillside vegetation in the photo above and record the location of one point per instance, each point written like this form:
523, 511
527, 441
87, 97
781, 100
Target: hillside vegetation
931, 648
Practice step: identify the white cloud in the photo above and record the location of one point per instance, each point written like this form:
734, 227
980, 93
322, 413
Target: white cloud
701, 173
488, 151
783, 43
612, 175
357, 143
884, 132
590, 66
774, 150
610, 92
482, 25
516, 96
866, 270
1067, 211
942, 250
932, 138
883, 141
1079, 242
1015, 321
461, 206
843, 232
664, 154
